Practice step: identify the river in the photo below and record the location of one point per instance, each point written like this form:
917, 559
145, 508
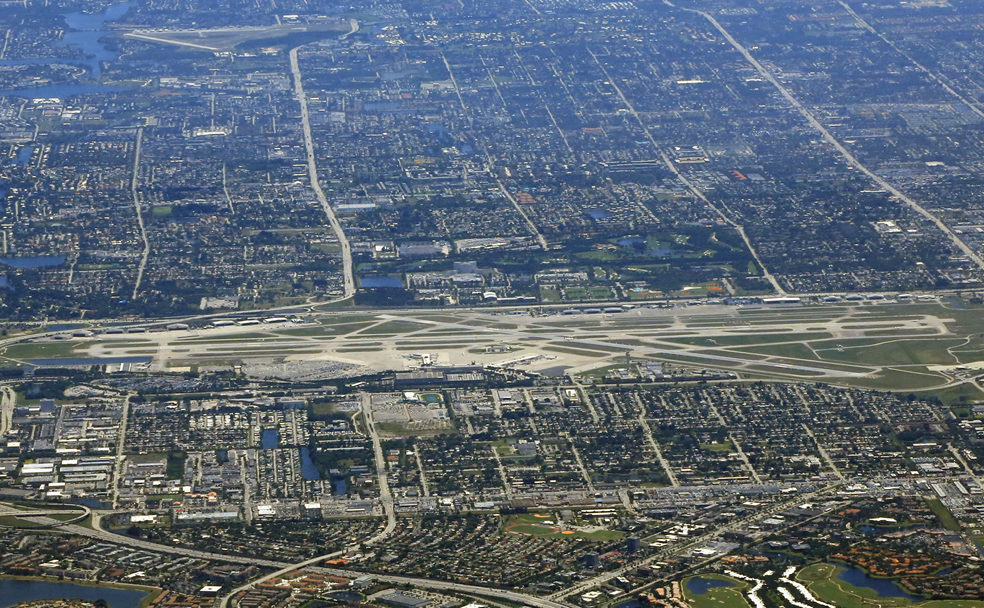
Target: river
17, 591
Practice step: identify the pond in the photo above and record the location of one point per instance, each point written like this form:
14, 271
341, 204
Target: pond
381, 281
884, 587
33, 261
270, 439
15, 591
597, 214
346, 596
308, 471
700, 585
24, 155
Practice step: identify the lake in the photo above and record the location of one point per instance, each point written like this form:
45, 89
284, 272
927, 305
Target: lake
700, 585
15, 591
270, 439
884, 587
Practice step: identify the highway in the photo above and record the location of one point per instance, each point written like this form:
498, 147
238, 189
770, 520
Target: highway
120, 443
694, 543
280, 567
312, 166
134, 182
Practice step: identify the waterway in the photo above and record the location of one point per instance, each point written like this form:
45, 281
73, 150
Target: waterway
884, 587
701, 585
17, 591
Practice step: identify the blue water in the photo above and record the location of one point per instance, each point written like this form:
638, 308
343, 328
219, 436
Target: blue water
382, 281
700, 585
884, 587
84, 33
89, 28
597, 214
270, 439
24, 155
33, 262
308, 470
630, 241
346, 596
16, 592
340, 487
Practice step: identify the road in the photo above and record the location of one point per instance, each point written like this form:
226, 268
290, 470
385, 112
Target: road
136, 204
957, 241
283, 567
384, 490
693, 543
648, 432
693, 189
336, 226
536, 233
120, 443
823, 453
973, 108
580, 465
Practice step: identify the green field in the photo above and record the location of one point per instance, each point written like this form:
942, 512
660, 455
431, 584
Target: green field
532, 524
717, 597
943, 514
